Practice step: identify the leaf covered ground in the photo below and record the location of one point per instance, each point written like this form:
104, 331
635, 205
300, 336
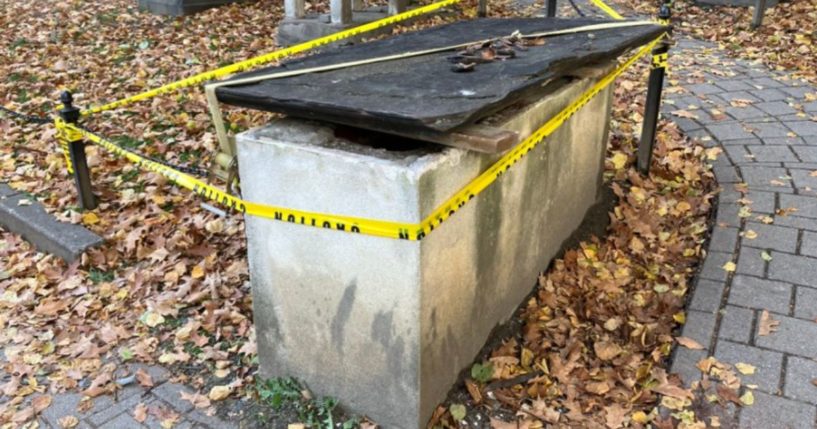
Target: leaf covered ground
170, 284
787, 40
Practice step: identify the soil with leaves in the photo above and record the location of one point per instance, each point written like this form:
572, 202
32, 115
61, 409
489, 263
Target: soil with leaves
787, 40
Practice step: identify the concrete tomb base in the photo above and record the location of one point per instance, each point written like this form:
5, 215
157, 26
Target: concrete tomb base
386, 325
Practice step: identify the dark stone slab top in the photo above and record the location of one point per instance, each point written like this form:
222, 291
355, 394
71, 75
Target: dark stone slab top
423, 93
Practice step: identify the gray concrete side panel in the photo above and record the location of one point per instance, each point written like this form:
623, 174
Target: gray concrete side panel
481, 263
339, 311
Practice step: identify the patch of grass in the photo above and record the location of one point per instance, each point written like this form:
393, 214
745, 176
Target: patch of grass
191, 155
19, 43
130, 175
192, 349
127, 142
22, 96
106, 18
287, 393
98, 276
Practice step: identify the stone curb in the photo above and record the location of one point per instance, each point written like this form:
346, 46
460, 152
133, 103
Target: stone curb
47, 234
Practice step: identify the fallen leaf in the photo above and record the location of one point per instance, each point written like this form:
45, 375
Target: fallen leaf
217, 393
144, 379
68, 422
729, 267
748, 398
457, 411
619, 160
90, 218
745, 368
767, 325
40, 403
606, 350
689, 343
140, 413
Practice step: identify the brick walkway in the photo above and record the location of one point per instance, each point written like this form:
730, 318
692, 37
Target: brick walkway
163, 399
761, 119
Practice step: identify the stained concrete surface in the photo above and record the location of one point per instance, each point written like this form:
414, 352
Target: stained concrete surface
385, 324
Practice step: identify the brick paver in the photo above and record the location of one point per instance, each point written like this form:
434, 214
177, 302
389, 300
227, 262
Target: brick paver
108, 412
769, 165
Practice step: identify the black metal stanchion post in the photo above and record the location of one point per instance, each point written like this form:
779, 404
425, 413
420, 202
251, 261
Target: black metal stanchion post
655, 87
760, 10
76, 148
482, 8
551, 8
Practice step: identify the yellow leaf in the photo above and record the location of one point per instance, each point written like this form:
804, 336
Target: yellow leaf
218, 393
729, 267
745, 368
712, 153
90, 218
640, 417
680, 317
197, 272
619, 160
748, 398
751, 235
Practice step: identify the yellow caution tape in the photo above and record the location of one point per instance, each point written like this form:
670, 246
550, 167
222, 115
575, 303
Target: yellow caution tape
380, 228
270, 57
660, 60
607, 9
66, 136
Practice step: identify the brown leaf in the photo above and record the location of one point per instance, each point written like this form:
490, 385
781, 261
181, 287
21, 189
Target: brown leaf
597, 387
140, 413
144, 379
606, 350
689, 343
673, 391
767, 325
68, 422
728, 394
614, 416
473, 390
197, 399
40, 403
23, 415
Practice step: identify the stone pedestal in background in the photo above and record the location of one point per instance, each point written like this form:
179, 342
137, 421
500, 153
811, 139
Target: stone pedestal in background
386, 325
180, 7
747, 3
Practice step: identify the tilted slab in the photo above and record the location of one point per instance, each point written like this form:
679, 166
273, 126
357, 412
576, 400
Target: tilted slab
422, 94
41, 229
